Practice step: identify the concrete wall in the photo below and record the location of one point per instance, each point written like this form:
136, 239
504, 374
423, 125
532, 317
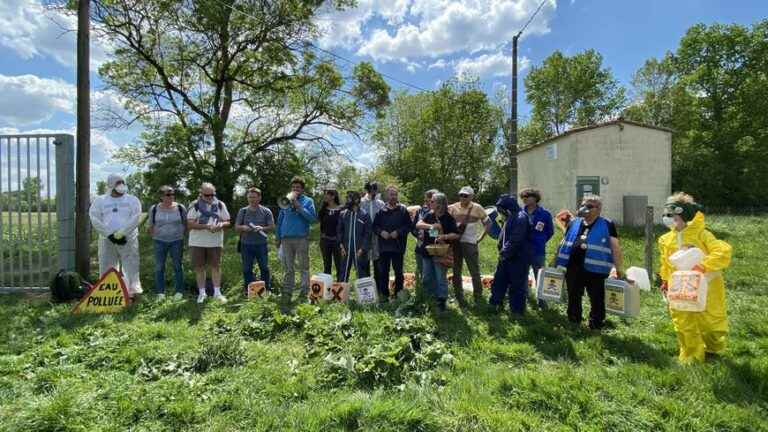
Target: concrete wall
629, 159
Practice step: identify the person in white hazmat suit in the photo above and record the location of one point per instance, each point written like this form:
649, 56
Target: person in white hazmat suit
116, 216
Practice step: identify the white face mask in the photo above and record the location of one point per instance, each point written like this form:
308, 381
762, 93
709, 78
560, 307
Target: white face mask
121, 188
668, 221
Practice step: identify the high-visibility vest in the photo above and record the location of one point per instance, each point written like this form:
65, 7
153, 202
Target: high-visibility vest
598, 257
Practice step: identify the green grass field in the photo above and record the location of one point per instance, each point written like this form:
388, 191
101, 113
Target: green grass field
245, 367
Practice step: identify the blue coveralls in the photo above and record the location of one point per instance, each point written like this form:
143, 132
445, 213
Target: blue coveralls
514, 257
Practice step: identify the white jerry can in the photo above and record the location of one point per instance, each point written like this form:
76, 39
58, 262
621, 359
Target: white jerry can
688, 291
319, 285
640, 277
550, 285
622, 298
365, 289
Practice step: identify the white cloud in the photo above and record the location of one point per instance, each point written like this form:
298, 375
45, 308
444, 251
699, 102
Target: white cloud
346, 28
28, 99
490, 65
439, 27
32, 31
439, 64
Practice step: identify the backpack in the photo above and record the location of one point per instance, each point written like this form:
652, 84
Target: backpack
182, 210
67, 286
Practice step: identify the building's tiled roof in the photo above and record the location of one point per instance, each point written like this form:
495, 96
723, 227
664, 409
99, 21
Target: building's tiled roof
594, 126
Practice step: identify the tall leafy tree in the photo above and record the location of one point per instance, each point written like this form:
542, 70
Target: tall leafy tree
440, 139
241, 73
566, 91
713, 91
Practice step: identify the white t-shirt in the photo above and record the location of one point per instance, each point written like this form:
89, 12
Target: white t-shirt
205, 238
473, 218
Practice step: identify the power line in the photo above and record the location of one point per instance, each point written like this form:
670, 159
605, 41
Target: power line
353, 62
329, 52
533, 15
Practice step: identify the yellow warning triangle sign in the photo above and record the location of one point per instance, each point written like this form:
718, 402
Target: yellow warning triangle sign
108, 295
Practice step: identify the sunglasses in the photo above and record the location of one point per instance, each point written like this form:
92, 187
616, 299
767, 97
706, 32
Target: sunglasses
589, 206
209, 195
463, 196
668, 215
170, 194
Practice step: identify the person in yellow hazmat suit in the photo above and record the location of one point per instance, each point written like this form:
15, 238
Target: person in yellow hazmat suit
703, 332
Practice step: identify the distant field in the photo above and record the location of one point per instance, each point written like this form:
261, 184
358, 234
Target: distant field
13, 217
28, 248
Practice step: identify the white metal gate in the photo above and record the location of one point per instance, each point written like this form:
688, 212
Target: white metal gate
37, 209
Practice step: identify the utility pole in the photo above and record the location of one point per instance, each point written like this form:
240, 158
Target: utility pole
512, 145
83, 161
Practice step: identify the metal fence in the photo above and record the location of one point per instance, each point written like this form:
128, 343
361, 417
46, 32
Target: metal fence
37, 209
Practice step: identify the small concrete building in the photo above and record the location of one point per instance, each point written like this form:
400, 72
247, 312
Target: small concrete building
628, 164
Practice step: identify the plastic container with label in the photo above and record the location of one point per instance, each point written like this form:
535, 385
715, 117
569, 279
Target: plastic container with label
319, 284
257, 289
365, 289
622, 298
550, 285
687, 291
338, 292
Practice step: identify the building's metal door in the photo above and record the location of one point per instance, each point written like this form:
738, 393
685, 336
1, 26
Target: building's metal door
586, 186
37, 207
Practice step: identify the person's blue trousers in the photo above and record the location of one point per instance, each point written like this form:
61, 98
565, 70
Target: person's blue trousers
511, 277
260, 254
434, 278
162, 249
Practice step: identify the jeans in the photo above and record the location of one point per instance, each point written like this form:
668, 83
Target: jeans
395, 259
466, 252
259, 253
293, 248
361, 264
162, 250
434, 278
331, 255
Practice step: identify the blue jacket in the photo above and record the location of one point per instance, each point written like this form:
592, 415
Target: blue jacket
513, 242
292, 223
542, 229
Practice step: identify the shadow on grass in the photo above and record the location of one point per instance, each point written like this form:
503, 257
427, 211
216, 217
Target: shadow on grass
743, 384
452, 326
635, 350
183, 310
551, 334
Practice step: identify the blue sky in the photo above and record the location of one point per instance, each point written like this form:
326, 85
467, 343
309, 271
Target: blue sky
423, 42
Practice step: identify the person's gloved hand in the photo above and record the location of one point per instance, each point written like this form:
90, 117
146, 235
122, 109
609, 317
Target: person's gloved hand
119, 234
699, 268
118, 241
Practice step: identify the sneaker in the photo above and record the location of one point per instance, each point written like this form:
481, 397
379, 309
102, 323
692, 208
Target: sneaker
201, 298
178, 296
220, 298
160, 297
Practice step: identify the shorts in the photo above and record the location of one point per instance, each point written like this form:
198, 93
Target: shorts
205, 256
